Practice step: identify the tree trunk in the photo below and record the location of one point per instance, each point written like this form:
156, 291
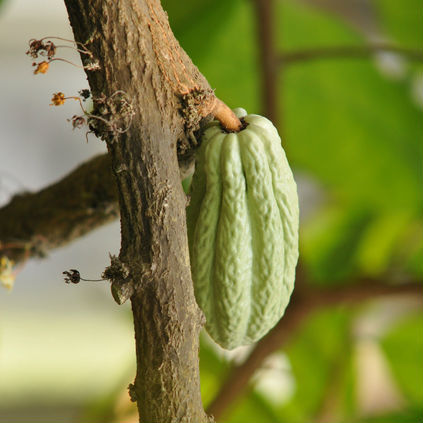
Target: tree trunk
142, 72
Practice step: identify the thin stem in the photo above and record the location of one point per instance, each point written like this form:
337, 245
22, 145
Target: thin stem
77, 43
67, 61
76, 49
80, 103
93, 280
347, 52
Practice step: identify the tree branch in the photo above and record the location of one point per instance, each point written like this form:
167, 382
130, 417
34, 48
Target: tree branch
268, 59
33, 223
139, 56
347, 52
303, 303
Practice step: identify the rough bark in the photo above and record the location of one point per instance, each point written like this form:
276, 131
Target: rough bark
139, 56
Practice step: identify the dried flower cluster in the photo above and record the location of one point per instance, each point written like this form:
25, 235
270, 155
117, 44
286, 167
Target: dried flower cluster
112, 113
41, 47
117, 101
78, 121
46, 48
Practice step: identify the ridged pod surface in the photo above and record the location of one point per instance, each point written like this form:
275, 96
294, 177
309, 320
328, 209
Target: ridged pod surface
243, 230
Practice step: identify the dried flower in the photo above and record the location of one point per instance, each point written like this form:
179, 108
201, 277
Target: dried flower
50, 49
73, 276
42, 67
34, 47
7, 277
77, 121
58, 99
47, 48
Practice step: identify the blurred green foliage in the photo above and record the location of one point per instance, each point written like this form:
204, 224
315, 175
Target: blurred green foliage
355, 131
354, 128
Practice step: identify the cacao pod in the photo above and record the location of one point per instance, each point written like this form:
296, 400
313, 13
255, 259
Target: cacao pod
243, 230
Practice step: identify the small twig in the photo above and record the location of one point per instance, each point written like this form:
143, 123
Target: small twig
347, 52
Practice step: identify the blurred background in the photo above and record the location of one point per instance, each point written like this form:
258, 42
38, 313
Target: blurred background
347, 97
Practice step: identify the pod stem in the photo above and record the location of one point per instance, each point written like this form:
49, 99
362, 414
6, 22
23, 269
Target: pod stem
227, 118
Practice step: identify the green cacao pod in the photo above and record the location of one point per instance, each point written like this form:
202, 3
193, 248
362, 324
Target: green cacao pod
243, 230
